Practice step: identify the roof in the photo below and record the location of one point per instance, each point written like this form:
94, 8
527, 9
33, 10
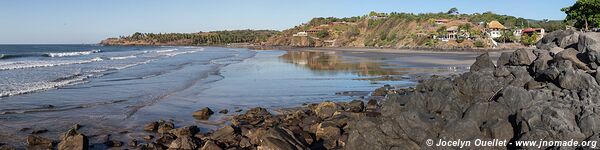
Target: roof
532, 30
495, 25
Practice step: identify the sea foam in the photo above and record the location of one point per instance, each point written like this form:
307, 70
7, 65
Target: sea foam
34, 64
67, 54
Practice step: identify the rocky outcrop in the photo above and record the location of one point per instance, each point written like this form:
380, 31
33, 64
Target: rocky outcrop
534, 95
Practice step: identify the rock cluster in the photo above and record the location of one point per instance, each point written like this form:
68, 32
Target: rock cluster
70, 140
550, 93
317, 126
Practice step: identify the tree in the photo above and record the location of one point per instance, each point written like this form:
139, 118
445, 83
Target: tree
322, 33
453, 10
584, 13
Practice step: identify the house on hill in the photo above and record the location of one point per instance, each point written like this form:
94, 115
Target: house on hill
495, 29
530, 31
301, 34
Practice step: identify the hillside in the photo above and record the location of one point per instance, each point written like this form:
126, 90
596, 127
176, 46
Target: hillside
200, 38
396, 30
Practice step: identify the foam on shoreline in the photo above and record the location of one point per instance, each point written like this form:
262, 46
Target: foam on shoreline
67, 54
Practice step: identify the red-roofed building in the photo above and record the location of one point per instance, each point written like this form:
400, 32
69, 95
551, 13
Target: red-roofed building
530, 31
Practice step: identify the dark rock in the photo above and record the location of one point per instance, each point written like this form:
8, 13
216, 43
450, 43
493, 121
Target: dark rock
372, 104
73, 140
186, 131
133, 143
329, 134
227, 135
356, 106
504, 59
255, 116
166, 139
542, 62
326, 109
501, 71
522, 57
203, 114
24, 129
562, 39
210, 145
589, 41
113, 143
483, 61
576, 79
382, 91
239, 110
151, 127
36, 142
571, 55
39, 131
148, 137
165, 126
279, 138
185, 143
151, 146
224, 111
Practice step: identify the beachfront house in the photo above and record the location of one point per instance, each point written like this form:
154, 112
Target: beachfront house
301, 34
452, 32
495, 29
537, 31
518, 32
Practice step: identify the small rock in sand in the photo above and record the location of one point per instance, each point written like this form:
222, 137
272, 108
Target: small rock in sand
224, 111
203, 114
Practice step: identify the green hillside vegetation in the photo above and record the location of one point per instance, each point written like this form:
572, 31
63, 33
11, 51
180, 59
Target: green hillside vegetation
404, 30
201, 38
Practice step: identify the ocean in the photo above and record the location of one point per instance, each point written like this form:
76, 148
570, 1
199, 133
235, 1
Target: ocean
111, 89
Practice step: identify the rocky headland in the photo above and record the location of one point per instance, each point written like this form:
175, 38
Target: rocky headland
549, 93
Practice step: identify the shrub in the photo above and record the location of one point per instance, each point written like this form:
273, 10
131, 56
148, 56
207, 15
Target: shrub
479, 44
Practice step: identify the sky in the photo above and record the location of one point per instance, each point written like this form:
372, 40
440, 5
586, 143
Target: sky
89, 21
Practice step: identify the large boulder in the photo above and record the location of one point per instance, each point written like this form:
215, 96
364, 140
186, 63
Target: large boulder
589, 41
281, 139
576, 80
73, 140
562, 39
504, 59
483, 61
571, 55
356, 106
329, 133
326, 109
522, 57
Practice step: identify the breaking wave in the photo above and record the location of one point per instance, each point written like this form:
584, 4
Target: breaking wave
67, 54
34, 64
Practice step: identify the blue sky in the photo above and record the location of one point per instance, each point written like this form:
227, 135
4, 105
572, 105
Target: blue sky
87, 21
